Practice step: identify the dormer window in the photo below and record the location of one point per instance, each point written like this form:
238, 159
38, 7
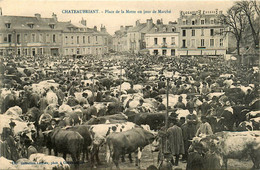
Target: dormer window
52, 26
164, 29
8, 25
173, 29
202, 22
31, 25
211, 21
193, 22
155, 29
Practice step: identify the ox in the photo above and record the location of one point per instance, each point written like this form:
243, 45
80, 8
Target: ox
134, 140
222, 143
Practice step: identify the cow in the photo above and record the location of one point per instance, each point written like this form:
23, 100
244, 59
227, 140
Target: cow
117, 118
154, 120
83, 130
101, 131
48, 161
222, 143
66, 142
121, 143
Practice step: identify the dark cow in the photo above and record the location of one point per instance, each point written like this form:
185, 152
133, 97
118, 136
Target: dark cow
117, 118
83, 130
134, 140
154, 120
66, 142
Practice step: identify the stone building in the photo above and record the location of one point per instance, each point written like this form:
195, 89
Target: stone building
163, 39
201, 34
23, 35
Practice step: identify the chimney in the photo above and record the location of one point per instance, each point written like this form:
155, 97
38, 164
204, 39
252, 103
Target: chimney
83, 22
121, 28
38, 16
103, 28
95, 28
158, 22
137, 22
54, 16
161, 21
149, 23
1, 11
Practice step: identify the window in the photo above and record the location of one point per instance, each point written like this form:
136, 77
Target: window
26, 51
78, 50
8, 25
18, 51
183, 33
202, 22
54, 38
72, 40
155, 41
193, 22
211, 32
9, 39
88, 39
84, 41
202, 32
164, 40
155, 52
18, 39
66, 39
173, 40
33, 38
96, 38
202, 42
25, 37
40, 38
47, 38
173, 29
184, 22
193, 43
66, 52
164, 52
221, 31
52, 26
77, 39
192, 32
212, 21
211, 42
183, 43
31, 25
221, 42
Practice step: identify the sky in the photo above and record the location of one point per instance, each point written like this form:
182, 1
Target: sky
112, 21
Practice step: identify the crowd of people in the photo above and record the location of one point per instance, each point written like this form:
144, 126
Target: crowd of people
206, 89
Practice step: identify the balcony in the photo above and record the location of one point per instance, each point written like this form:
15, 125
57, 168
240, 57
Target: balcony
164, 45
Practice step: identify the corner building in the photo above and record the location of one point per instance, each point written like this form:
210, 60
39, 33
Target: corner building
201, 34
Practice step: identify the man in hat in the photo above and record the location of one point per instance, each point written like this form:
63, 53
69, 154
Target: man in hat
175, 141
12, 125
205, 128
179, 104
52, 125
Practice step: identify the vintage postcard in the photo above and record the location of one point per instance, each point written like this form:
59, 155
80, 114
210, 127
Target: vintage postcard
129, 84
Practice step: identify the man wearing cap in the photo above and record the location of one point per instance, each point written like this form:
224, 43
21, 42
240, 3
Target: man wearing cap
179, 104
205, 128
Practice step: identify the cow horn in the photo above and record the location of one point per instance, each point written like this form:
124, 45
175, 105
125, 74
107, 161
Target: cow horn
93, 116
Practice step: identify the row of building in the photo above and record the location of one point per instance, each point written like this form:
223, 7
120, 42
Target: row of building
195, 33
22, 35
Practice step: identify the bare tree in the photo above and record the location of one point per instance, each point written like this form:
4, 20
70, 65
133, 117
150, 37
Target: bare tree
235, 21
251, 9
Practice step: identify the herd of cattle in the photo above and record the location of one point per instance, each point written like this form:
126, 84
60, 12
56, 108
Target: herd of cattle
76, 106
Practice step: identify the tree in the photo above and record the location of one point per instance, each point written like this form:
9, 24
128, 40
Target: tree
251, 9
235, 21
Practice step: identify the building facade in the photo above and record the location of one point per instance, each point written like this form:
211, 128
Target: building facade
20, 35
136, 35
163, 39
201, 34
120, 39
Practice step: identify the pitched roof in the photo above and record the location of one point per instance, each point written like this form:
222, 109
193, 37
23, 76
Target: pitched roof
163, 28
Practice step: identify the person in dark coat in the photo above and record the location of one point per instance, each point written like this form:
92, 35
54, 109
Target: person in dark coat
175, 141
180, 104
